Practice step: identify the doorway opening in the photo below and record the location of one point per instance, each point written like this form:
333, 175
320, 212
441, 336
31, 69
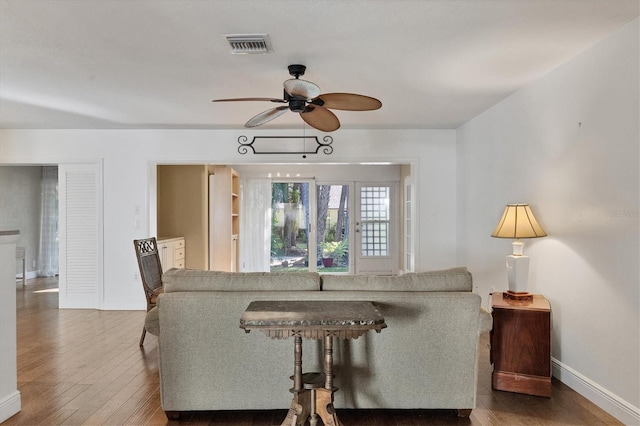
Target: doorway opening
34, 211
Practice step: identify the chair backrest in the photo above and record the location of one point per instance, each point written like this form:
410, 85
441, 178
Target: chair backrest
149, 264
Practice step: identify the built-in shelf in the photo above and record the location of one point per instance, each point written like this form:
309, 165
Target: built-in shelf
224, 219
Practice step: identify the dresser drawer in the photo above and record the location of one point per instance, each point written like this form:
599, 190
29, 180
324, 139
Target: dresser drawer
179, 253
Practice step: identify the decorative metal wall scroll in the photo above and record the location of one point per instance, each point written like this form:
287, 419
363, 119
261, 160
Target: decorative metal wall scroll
286, 145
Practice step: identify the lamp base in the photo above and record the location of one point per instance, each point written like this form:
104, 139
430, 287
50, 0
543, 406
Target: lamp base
512, 295
517, 273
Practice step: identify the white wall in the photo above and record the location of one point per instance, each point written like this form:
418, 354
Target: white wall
323, 172
129, 157
569, 146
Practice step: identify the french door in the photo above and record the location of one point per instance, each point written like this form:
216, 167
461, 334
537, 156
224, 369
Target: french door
333, 225
342, 227
376, 229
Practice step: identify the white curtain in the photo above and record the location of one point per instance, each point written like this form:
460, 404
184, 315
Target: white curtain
255, 225
48, 250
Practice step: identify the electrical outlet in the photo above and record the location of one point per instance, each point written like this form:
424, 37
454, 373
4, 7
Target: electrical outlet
33, 264
135, 277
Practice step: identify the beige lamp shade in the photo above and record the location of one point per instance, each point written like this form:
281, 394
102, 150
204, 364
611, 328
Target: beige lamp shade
518, 222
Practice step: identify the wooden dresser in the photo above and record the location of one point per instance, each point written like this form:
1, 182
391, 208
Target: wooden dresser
521, 345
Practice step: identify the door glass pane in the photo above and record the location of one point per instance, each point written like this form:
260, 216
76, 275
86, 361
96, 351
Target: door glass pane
374, 215
333, 228
289, 226
408, 228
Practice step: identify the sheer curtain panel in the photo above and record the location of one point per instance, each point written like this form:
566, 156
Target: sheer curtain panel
48, 250
255, 234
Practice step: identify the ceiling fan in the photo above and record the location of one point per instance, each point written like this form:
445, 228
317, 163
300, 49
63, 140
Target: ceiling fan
304, 97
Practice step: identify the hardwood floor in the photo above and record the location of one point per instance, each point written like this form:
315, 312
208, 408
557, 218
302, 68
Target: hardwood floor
84, 367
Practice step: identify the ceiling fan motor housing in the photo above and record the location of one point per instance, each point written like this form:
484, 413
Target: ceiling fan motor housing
297, 70
297, 105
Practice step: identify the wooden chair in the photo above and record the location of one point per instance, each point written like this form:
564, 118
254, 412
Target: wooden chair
150, 273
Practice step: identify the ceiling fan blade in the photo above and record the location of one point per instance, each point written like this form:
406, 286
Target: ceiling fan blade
320, 118
301, 88
348, 102
249, 99
266, 116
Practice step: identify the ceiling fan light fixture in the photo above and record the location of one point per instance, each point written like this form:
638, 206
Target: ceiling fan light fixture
246, 44
301, 88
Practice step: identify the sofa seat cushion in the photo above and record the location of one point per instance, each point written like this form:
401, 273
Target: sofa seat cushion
197, 280
454, 279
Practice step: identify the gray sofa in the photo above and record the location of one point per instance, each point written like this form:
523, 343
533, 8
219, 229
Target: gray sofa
426, 358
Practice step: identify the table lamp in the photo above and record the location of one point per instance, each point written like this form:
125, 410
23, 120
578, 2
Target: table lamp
518, 222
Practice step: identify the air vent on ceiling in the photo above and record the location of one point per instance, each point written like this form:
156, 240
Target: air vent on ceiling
248, 43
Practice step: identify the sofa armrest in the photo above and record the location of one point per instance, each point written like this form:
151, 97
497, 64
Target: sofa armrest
485, 321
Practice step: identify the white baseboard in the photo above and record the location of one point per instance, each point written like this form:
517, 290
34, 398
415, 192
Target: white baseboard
10, 405
30, 275
612, 404
124, 305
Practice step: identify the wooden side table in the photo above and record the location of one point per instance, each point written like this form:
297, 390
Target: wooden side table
521, 345
312, 392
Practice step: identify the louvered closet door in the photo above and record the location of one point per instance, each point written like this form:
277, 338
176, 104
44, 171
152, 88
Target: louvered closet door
80, 203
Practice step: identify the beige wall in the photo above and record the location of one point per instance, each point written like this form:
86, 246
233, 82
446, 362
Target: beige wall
183, 210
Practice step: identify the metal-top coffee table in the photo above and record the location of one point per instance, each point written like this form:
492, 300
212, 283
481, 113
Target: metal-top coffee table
312, 392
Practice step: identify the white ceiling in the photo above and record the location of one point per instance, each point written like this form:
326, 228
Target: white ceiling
158, 63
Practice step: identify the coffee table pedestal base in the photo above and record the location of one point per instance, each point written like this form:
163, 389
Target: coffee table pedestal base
312, 392
311, 404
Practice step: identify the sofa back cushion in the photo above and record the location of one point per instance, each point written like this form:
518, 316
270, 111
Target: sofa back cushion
198, 280
455, 279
